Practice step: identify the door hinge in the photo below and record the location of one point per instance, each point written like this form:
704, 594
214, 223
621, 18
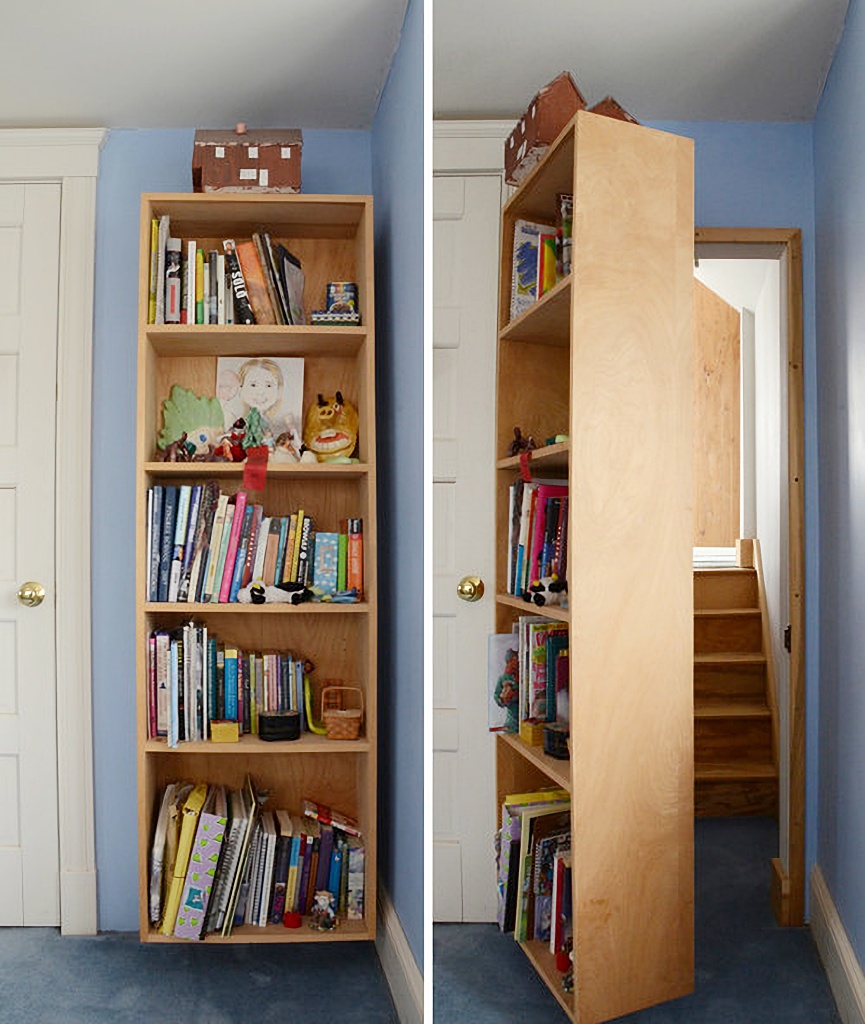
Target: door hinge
788, 638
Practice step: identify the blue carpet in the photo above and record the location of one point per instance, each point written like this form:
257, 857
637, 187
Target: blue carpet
48, 979
748, 971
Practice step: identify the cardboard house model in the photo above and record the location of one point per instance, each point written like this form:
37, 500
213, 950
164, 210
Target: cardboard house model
240, 161
546, 116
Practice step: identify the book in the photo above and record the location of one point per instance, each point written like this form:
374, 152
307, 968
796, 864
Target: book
255, 281
242, 551
306, 551
271, 551
326, 815
243, 313
561, 818
540, 709
157, 855
191, 584
181, 521
214, 547
189, 541
293, 880
502, 682
173, 280
154, 263
546, 262
269, 836
280, 871
342, 557
325, 851
157, 493
231, 659
289, 571
223, 552
326, 557
161, 242
354, 556
251, 812
281, 544
524, 265
212, 295
190, 270
240, 500
203, 861
541, 538
267, 273
260, 548
191, 810
276, 277
166, 545
228, 862
199, 286
291, 275
355, 879
312, 830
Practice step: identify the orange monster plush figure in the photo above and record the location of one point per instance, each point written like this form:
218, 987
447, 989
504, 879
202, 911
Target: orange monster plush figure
330, 429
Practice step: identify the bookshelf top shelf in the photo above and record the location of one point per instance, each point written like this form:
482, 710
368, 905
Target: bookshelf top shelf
545, 322
535, 199
209, 214
289, 470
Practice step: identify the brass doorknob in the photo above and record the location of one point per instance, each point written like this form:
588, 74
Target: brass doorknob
31, 594
470, 588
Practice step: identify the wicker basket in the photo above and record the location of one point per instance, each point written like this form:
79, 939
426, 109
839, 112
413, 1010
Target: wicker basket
342, 711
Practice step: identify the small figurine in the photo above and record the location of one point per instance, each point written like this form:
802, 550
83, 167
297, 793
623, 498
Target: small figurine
323, 915
286, 448
547, 591
520, 443
175, 451
231, 444
280, 593
330, 429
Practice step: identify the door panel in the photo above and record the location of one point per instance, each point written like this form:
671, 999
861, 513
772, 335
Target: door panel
465, 258
29, 249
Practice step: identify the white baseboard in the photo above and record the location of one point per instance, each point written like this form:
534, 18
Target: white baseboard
404, 977
78, 902
839, 959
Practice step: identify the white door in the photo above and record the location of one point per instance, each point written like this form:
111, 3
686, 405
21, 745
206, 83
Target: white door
29, 250
465, 261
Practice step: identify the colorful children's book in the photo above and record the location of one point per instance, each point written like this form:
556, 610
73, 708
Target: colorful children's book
524, 276
324, 573
503, 684
191, 810
203, 861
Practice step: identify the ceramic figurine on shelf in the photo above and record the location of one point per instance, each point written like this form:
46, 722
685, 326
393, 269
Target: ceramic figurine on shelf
520, 443
286, 448
323, 915
330, 429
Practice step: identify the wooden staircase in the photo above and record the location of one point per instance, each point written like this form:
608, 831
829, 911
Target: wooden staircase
735, 764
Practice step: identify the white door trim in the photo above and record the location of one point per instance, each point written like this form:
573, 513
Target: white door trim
470, 147
71, 158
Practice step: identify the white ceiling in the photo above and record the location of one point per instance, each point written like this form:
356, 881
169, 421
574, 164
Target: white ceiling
176, 64
677, 60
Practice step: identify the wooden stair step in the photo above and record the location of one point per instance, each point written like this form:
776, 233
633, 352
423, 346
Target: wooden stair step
742, 772
725, 707
729, 660
737, 630
731, 586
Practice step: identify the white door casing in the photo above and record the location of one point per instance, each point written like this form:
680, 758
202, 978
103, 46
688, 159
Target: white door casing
467, 197
29, 250
70, 159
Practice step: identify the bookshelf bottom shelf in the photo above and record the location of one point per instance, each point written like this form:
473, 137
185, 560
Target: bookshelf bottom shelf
544, 963
346, 931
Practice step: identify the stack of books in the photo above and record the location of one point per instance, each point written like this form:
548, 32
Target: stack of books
537, 532
206, 546
252, 281
195, 680
220, 859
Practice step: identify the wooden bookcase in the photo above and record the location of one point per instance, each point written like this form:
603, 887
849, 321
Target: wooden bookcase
606, 357
333, 238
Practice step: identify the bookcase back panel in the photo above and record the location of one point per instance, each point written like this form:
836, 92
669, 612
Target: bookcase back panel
533, 389
334, 781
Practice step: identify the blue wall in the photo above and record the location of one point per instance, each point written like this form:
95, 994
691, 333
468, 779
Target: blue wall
134, 162
762, 175
398, 187
839, 148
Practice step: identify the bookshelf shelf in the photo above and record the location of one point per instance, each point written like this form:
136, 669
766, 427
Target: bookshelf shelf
605, 357
509, 601
234, 470
307, 744
188, 610
332, 238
